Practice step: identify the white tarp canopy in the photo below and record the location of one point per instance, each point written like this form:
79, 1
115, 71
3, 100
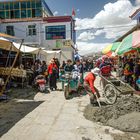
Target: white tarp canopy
33, 50
50, 52
40, 52
24, 48
6, 44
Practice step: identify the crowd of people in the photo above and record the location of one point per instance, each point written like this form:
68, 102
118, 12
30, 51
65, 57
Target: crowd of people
52, 70
129, 69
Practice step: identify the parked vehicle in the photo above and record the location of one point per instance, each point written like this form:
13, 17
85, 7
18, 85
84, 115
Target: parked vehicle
40, 82
72, 84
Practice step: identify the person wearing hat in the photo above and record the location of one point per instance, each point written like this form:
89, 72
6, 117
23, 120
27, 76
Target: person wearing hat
68, 67
52, 71
79, 68
89, 84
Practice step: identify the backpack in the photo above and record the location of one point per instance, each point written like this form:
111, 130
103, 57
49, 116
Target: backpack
106, 70
54, 70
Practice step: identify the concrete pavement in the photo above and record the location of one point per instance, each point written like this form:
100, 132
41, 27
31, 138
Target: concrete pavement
58, 119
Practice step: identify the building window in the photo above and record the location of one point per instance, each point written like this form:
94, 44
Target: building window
17, 13
2, 14
12, 14
33, 4
55, 32
28, 4
23, 13
16, 5
38, 4
7, 6
31, 30
29, 13
23, 5
2, 6
21, 9
11, 6
10, 30
38, 13
33, 12
7, 14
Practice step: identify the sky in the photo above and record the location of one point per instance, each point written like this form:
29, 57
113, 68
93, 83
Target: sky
98, 22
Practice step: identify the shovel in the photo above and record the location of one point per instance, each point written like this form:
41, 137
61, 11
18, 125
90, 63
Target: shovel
98, 100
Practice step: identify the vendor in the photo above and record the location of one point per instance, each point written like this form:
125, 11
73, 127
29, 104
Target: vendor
137, 72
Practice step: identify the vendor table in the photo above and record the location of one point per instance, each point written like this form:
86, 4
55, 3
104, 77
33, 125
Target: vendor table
16, 72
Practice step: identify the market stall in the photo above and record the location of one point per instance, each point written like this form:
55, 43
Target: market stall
8, 45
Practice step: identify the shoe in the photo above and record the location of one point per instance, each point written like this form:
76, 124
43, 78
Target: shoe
51, 89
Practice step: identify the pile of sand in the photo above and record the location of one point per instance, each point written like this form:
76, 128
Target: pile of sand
123, 115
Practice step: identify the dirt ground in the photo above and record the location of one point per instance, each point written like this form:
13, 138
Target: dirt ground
19, 103
123, 115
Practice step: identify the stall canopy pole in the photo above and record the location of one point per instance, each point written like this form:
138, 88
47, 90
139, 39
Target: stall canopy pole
8, 55
60, 56
9, 75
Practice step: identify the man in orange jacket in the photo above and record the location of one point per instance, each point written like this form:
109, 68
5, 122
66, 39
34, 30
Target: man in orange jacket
89, 84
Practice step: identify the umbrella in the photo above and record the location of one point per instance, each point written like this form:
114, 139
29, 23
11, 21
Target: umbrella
111, 48
130, 42
115, 46
107, 49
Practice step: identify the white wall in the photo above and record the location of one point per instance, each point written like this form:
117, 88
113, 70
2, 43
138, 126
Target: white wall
21, 31
52, 43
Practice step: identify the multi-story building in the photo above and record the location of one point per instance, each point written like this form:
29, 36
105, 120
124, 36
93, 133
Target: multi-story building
33, 21
17, 9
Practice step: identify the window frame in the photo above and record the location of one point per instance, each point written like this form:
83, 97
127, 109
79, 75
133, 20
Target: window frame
11, 30
32, 9
32, 31
55, 32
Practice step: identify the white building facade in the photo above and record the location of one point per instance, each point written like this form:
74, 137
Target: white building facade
40, 30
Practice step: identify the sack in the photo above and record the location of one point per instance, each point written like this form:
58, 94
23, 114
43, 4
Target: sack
106, 70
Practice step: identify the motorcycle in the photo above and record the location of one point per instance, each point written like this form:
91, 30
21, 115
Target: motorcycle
72, 84
40, 82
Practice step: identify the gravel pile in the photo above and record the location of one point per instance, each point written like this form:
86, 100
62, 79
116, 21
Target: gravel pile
123, 115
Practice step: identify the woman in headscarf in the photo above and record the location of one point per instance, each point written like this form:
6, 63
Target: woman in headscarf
52, 71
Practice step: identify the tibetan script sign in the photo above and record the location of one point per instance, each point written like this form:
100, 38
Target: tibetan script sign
67, 43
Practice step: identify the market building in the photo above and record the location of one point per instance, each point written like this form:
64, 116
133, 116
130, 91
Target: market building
33, 21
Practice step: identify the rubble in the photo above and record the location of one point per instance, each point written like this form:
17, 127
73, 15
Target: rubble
123, 115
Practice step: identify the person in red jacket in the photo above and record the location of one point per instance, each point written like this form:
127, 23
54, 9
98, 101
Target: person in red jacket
89, 84
52, 71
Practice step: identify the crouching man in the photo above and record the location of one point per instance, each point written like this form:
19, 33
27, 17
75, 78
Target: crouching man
89, 85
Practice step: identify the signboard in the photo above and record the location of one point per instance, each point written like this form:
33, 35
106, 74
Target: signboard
59, 44
67, 43
63, 43
15, 72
